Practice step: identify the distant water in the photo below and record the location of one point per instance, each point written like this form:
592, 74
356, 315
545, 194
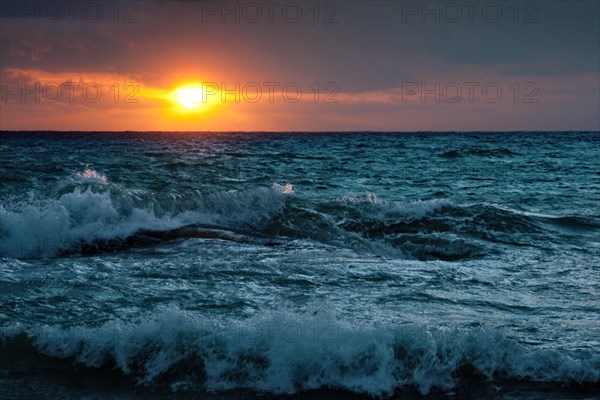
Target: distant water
462, 265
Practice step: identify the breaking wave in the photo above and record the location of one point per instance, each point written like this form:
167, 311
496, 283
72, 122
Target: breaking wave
89, 214
283, 353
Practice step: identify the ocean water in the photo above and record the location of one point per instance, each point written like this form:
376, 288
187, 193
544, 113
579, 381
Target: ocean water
300, 265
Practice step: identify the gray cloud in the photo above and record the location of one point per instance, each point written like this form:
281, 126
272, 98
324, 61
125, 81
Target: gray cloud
374, 45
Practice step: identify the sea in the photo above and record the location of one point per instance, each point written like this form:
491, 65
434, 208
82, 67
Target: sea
298, 265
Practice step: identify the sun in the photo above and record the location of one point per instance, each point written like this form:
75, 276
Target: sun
190, 97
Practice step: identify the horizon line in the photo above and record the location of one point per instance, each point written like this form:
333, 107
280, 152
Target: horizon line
325, 131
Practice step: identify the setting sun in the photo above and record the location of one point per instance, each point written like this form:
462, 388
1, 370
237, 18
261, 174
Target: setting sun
191, 100
190, 97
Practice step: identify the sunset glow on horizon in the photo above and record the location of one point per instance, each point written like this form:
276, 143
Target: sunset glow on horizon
227, 72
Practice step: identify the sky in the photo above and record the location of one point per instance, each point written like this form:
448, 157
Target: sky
348, 65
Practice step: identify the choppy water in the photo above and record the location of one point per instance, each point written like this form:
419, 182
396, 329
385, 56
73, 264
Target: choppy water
143, 264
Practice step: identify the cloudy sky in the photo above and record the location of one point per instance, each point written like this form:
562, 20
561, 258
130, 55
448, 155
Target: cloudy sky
300, 66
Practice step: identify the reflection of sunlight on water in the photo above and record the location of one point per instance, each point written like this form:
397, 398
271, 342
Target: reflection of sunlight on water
90, 174
288, 188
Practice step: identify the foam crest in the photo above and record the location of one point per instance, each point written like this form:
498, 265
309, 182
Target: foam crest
89, 175
42, 226
373, 207
285, 352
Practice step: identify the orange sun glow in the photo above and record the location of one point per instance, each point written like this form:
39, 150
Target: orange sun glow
190, 97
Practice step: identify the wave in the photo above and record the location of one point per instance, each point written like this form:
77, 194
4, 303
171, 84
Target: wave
284, 353
572, 222
423, 230
88, 214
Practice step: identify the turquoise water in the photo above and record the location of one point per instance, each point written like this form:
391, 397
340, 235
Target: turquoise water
367, 263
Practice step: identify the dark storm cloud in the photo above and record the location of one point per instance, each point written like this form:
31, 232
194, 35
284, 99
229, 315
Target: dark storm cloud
369, 46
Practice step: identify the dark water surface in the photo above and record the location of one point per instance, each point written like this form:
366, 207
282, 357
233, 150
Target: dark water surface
244, 265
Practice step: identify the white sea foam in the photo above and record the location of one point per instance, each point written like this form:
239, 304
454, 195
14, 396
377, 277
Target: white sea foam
288, 188
373, 207
86, 208
92, 176
36, 226
286, 352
